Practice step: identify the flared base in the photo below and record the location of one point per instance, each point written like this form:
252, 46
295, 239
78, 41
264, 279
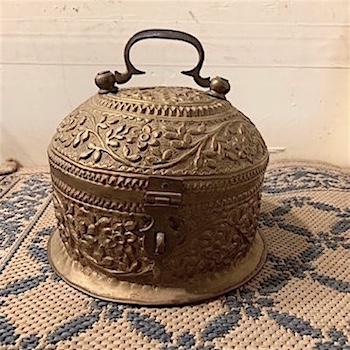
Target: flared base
197, 289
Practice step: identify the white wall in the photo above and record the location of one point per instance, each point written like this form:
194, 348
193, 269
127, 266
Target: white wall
287, 61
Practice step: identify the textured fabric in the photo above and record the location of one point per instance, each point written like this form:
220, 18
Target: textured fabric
300, 300
9, 167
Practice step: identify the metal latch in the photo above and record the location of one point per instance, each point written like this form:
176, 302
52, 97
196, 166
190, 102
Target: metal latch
162, 200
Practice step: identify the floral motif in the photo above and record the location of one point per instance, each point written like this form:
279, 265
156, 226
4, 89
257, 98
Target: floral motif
222, 237
66, 131
63, 213
132, 141
163, 95
148, 147
108, 242
217, 238
147, 137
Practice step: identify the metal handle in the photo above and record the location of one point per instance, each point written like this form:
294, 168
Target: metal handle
122, 78
106, 80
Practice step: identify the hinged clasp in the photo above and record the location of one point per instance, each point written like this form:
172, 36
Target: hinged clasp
162, 200
163, 192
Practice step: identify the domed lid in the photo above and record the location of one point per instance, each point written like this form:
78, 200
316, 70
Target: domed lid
159, 130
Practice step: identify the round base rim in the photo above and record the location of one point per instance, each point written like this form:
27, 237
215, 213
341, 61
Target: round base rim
198, 289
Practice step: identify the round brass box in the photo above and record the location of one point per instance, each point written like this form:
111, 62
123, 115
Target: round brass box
157, 191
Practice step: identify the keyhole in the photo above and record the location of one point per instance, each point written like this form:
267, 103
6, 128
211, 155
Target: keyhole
160, 243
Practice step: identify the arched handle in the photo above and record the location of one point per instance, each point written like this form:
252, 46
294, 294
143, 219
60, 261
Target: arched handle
106, 80
122, 78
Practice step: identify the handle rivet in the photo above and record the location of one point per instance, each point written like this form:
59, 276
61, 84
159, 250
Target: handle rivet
165, 185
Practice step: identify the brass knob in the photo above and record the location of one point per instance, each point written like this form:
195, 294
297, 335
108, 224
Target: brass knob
105, 81
219, 87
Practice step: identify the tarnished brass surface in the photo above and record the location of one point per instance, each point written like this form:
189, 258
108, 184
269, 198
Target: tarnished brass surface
157, 189
199, 288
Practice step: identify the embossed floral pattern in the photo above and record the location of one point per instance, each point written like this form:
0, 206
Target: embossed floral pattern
226, 237
142, 140
214, 240
161, 95
66, 131
111, 242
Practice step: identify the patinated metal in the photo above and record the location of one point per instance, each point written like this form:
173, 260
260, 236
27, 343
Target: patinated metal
157, 190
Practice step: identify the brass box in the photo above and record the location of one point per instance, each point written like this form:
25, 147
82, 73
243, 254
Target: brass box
157, 190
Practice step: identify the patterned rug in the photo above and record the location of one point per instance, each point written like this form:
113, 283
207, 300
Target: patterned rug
300, 300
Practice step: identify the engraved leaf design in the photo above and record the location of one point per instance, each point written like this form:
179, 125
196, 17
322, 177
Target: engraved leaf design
167, 154
231, 155
151, 159
199, 130
114, 143
125, 130
198, 162
147, 129
170, 128
156, 133
208, 153
132, 140
103, 221
85, 135
102, 125
97, 155
113, 120
181, 130
154, 143
86, 154
171, 136
202, 128
214, 145
156, 151
134, 158
107, 260
82, 120
103, 119
126, 151
142, 145
187, 138
178, 144
77, 140
226, 146
211, 163
194, 132
119, 129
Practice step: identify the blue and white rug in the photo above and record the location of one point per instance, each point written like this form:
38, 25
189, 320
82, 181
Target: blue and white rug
300, 299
